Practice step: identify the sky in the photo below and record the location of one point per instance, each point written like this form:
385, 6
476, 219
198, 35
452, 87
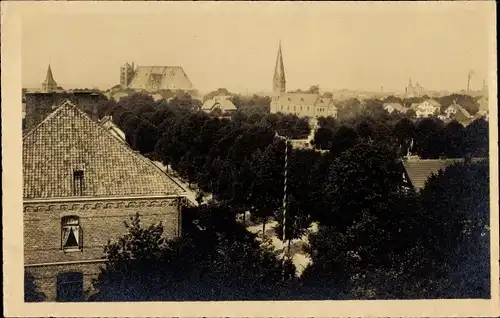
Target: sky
359, 46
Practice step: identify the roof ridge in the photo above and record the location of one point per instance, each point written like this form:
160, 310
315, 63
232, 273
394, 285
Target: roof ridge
59, 108
127, 147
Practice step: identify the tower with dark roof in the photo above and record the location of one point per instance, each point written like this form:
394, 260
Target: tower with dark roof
49, 85
279, 80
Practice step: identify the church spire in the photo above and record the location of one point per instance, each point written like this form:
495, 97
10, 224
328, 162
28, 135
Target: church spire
279, 81
50, 84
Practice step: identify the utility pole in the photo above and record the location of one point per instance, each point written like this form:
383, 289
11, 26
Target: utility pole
283, 257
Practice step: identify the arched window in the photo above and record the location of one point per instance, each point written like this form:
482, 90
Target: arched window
71, 234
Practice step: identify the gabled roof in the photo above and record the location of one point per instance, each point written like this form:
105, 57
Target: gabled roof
395, 106
460, 109
298, 99
419, 170
324, 101
68, 139
433, 102
221, 102
160, 77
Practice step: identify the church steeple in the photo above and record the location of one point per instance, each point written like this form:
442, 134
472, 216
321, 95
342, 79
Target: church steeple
49, 85
279, 81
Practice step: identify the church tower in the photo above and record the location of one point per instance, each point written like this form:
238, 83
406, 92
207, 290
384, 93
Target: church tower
49, 85
279, 81
126, 74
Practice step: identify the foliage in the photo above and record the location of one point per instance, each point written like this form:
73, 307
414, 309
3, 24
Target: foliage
217, 260
457, 214
31, 291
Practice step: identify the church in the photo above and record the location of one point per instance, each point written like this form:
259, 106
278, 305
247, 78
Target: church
154, 78
300, 104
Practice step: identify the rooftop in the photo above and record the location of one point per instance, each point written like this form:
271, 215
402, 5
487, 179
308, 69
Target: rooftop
69, 140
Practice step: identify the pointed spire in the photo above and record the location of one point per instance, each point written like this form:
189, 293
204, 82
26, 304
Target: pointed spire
279, 80
49, 85
49, 78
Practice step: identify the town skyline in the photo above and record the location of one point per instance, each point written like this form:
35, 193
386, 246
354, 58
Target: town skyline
356, 48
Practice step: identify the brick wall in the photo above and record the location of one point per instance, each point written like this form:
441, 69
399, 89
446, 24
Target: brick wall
46, 277
39, 105
100, 221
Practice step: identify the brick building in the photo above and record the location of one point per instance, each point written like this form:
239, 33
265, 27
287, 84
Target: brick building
38, 105
81, 183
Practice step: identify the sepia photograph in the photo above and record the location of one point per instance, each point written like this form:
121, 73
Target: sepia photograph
172, 153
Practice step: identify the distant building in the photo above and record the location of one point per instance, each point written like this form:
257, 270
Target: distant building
223, 103
427, 108
300, 104
81, 183
49, 85
391, 107
38, 105
414, 90
484, 108
154, 78
459, 113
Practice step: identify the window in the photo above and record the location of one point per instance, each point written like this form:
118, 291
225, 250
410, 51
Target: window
70, 286
71, 234
78, 182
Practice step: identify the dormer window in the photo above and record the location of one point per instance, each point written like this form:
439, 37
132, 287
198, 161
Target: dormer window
78, 182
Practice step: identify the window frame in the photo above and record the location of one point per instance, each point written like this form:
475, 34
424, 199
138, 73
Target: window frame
68, 223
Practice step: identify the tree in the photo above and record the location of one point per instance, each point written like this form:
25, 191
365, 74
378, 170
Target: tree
343, 139
267, 187
323, 138
428, 141
217, 259
476, 138
360, 178
31, 291
456, 211
453, 140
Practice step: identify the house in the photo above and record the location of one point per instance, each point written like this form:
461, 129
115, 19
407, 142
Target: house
417, 171
391, 107
300, 104
427, 108
304, 105
80, 183
119, 95
459, 113
154, 78
156, 97
223, 103
484, 109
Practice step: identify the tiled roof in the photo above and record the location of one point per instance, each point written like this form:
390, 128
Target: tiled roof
419, 170
395, 106
163, 77
218, 101
67, 140
307, 99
